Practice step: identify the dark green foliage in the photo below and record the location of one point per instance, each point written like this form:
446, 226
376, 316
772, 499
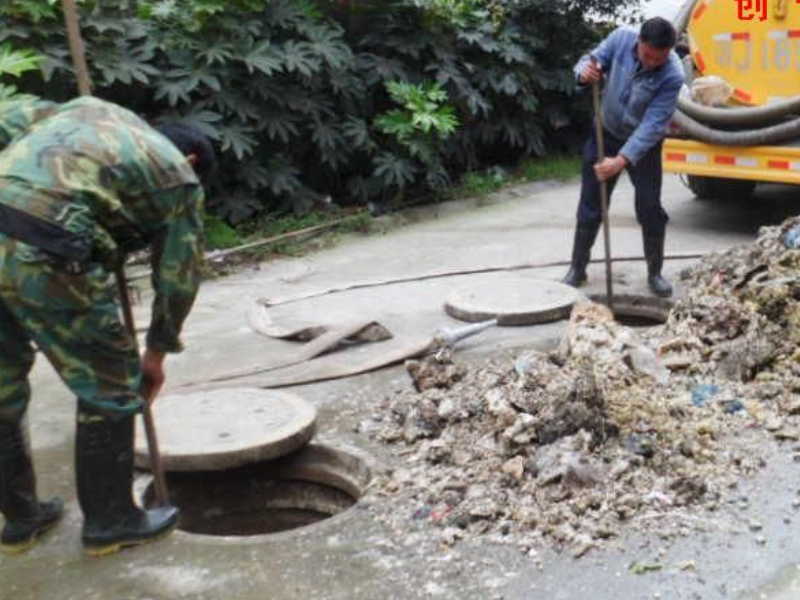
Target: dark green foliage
305, 100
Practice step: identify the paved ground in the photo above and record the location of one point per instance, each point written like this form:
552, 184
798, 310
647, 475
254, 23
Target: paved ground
352, 556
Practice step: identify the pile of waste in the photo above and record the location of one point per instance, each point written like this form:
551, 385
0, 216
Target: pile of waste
614, 428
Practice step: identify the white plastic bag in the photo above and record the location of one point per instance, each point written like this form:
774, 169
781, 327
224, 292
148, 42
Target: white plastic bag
711, 90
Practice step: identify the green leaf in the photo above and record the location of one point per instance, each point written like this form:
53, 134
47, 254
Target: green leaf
300, 57
126, 64
265, 58
395, 122
394, 170
16, 62
327, 43
284, 176
255, 175
357, 131
279, 126
326, 136
203, 120
237, 138
220, 53
174, 90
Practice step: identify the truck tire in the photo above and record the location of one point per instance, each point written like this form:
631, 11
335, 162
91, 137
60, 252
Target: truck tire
717, 188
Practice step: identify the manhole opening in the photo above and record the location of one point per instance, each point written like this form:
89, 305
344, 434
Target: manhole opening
294, 491
638, 311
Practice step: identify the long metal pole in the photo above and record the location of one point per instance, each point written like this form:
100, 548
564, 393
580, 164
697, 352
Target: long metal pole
85, 89
601, 154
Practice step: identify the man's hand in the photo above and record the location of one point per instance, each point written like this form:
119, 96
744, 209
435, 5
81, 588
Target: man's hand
610, 166
592, 72
152, 374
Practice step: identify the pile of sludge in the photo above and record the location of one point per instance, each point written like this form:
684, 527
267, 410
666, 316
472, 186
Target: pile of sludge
616, 427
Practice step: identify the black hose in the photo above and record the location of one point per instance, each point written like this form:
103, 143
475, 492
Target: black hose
739, 116
749, 137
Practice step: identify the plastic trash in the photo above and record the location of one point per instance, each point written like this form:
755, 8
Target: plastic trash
422, 512
711, 90
644, 360
702, 392
791, 239
732, 406
640, 444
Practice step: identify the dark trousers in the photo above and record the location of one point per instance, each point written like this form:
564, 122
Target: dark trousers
645, 176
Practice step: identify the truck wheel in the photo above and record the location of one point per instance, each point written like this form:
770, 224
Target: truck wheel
717, 188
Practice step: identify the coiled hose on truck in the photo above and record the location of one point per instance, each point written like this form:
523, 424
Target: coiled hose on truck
772, 122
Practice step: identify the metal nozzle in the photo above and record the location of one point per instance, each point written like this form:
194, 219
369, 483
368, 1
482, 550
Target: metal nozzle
448, 337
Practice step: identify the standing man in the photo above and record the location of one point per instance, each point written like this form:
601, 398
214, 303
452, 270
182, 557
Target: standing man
78, 190
643, 77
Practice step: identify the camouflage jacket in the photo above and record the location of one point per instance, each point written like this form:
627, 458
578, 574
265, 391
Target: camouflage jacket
18, 115
98, 176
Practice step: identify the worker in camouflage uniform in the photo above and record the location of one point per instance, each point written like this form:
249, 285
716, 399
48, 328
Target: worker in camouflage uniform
84, 184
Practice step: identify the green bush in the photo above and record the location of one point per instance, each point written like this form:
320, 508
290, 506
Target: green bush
363, 103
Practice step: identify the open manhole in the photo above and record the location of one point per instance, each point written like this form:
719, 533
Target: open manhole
293, 491
637, 311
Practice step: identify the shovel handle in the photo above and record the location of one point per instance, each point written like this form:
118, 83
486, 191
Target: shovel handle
601, 154
156, 464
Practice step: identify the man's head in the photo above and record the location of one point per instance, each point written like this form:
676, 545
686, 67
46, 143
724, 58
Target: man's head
656, 39
194, 145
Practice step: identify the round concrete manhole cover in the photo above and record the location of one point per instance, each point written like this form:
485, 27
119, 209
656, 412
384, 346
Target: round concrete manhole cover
513, 301
225, 428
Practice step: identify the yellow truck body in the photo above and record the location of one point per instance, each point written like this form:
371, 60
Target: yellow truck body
755, 46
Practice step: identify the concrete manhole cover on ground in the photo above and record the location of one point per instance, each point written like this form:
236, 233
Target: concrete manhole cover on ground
517, 301
224, 428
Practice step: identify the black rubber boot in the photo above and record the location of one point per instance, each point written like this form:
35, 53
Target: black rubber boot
26, 517
654, 255
104, 469
581, 253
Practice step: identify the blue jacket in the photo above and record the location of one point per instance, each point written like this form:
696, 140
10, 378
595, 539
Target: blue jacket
637, 104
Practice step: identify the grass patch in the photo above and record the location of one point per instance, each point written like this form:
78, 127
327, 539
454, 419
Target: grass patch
218, 234
553, 167
480, 183
483, 183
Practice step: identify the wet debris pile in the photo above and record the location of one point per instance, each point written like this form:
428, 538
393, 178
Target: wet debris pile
613, 428
740, 319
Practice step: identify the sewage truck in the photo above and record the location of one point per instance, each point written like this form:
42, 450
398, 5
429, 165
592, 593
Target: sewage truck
753, 47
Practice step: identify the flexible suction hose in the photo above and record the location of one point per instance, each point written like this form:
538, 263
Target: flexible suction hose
698, 120
745, 137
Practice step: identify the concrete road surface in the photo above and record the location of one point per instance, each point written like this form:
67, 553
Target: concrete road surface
352, 556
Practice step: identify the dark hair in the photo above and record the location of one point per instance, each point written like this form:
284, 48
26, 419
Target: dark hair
190, 140
658, 33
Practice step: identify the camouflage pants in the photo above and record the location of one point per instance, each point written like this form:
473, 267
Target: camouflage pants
74, 320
